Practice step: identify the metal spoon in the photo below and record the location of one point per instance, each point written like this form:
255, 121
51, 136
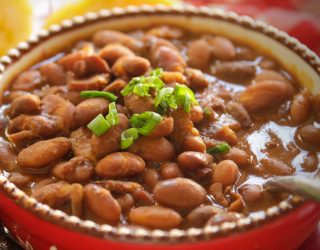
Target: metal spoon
306, 187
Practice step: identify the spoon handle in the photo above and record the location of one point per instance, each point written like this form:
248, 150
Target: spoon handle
306, 187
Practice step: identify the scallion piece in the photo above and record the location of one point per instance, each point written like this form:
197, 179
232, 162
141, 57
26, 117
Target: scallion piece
165, 99
99, 125
93, 93
113, 116
207, 111
128, 137
184, 97
219, 149
145, 122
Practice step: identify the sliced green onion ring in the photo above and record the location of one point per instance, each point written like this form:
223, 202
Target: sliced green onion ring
93, 93
184, 97
99, 125
113, 116
128, 137
145, 122
165, 99
221, 148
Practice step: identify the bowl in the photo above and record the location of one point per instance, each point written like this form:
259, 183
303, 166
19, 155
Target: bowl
37, 226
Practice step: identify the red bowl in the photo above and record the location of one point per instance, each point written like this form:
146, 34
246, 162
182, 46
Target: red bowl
36, 226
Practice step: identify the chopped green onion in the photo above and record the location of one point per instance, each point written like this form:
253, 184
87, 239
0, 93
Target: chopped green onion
99, 125
142, 85
156, 72
207, 111
165, 99
219, 149
128, 137
184, 97
113, 116
145, 122
93, 93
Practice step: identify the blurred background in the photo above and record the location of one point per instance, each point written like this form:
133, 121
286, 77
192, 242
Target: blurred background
20, 18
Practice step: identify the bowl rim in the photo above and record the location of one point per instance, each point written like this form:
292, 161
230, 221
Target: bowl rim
134, 234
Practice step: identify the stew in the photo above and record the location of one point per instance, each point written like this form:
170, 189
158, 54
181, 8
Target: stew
158, 128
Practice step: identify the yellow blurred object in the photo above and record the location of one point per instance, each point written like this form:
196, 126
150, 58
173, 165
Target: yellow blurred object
15, 23
81, 7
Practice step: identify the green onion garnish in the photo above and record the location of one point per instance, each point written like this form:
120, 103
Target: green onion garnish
128, 137
221, 148
93, 93
184, 97
165, 99
142, 85
113, 116
99, 125
145, 122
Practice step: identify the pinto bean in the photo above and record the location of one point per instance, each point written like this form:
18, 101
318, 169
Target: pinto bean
196, 114
267, 75
76, 197
244, 53
310, 134
78, 169
225, 133
226, 173
109, 142
112, 52
43, 153
116, 86
96, 82
193, 143
38, 125
80, 142
170, 170
169, 59
216, 190
120, 164
238, 111
101, 203
239, 156
155, 217
68, 62
200, 215
10, 96
179, 193
87, 110
265, 95
310, 162
164, 128
27, 81
138, 104
153, 149
276, 167
301, 107
25, 104
120, 187
237, 70
126, 202
151, 178
19, 179
218, 219
90, 65
194, 160
166, 32
130, 66
104, 37
251, 192
143, 198
222, 48
196, 78
57, 106
171, 78
54, 195
53, 74
199, 54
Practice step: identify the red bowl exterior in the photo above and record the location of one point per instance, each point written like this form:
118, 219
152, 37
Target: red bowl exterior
284, 233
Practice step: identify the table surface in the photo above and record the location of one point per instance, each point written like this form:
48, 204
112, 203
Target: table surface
312, 243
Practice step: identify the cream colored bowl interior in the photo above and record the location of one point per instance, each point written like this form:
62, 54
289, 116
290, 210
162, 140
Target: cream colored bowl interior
293, 63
